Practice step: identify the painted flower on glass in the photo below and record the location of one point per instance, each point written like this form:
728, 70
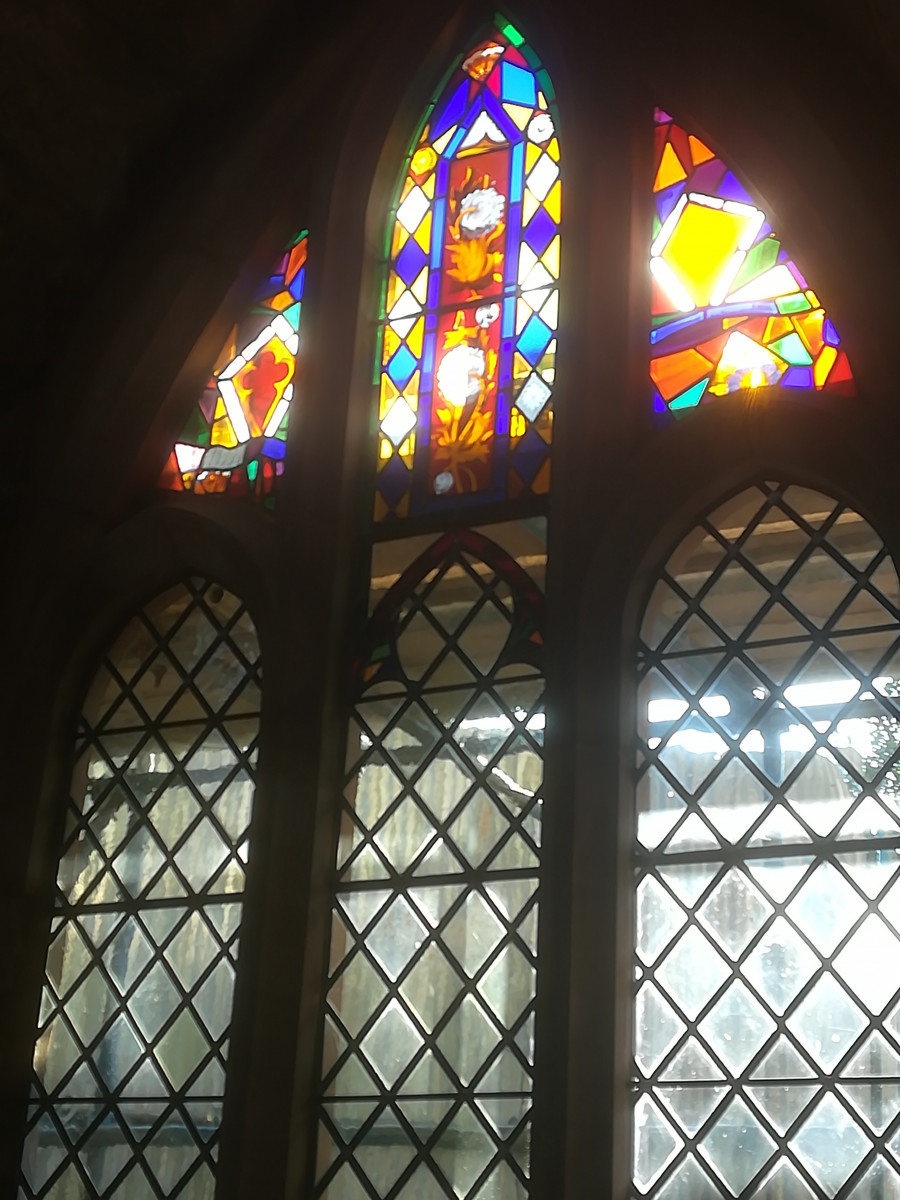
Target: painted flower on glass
476, 231
460, 374
481, 212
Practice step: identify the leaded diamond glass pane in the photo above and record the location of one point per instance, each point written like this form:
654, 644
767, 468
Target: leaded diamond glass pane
160, 799
433, 968
766, 761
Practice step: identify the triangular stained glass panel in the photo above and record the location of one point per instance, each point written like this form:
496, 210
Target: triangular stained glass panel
715, 248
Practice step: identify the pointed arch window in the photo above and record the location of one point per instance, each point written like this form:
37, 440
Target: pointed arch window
429, 1026
233, 442
133, 1032
730, 308
468, 336
767, 964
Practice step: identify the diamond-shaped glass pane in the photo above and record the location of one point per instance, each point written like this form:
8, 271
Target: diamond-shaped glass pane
737, 1147
737, 1027
655, 1143
830, 1144
734, 912
780, 964
826, 1023
692, 972
825, 907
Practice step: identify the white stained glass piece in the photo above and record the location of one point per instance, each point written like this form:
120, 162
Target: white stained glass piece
734, 913
877, 1103
657, 1027
783, 1182
734, 800
782, 1103
783, 1061
691, 1064
412, 210
396, 937
483, 129
780, 964
533, 396
778, 829
890, 905
871, 871
737, 1147
825, 908
655, 1144
691, 1106
472, 933
868, 820
826, 1022
693, 972
391, 1042
659, 918
406, 305
778, 876
879, 1180
689, 880
540, 128
689, 1180
830, 1144
875, 1057
542, 176
737, 1028
870, 964
399, 422
693, 834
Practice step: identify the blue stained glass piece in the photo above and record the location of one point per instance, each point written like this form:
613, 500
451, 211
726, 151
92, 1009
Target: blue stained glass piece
668, 198
517, 85
393, 480
428, 354
410, 261
401, 367
516, 172
707, 176
664, 331
732, 189
659, 405
540, 231
533, 339
508, 326
452, 111
273, 448
434, 284
499, 116
296, 288
292, 315
453, 145
830, 335
437, 231
529, 454
690, 397
799, 377
744, 308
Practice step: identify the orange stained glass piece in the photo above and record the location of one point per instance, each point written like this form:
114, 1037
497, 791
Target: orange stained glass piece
700, 152
823, 364
678, 371
701, 247
809, 326
295, 262
670, 169
660, 301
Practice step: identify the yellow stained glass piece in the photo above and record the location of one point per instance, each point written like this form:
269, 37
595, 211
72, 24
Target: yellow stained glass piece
408, 184
441, 142
385, 449
670, 169
399, 239
550, 257
701, 247
419, 286
700, 152
222, 433
823, 364
423, 161
280, 302
411, 392
516, 423
532, 154
381, 508
229, 352
394, 289
391, 342
423, 233
530, 205
388, 395
523, 312
428, 187
813, 298
553, 149
519, 114
541, 482
407, 448
745, 364
521, 367
550, 311
776, 327
809, 326
552, 203
414, 338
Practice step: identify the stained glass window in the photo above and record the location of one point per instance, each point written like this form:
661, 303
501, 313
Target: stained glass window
468, 335
234, 440
730, 307
767, 856
429, 1025
129, 1065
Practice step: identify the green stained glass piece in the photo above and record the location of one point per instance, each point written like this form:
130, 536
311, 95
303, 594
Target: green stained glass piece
792, 304
692, 396
792, 350
252, 469
509, 31
759, 259
546, 85
196, 429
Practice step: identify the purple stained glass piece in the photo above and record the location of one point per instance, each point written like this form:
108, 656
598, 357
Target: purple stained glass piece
540, 231
208, 403
830, 335
668, 198
731, 188
798, 274
798, 377
410, 261
661, 117
529, 454
393, 480
707, 177
659, 405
